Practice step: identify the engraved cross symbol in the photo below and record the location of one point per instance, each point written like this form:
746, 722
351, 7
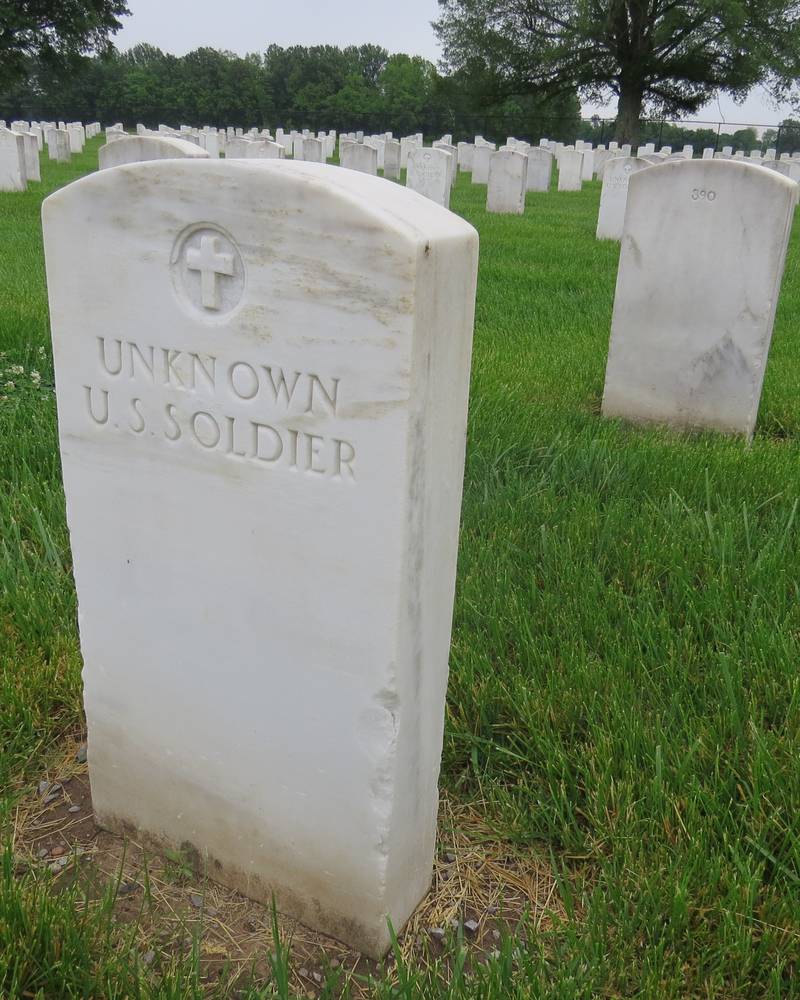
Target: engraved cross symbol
210, 262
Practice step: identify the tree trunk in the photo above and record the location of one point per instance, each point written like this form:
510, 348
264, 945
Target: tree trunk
629, 111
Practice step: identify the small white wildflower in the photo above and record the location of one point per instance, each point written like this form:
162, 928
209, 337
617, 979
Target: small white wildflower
9, 385
41, 352
3, 399
36, 378
16, 370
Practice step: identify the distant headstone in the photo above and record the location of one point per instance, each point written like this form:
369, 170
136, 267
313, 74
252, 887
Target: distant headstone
570, 170
314, 150
699, 274
587, 169
391, 160
407, 143
262, 429
75, 139
505, 192
614, 195
452, 163
359, 156
789, 168
58, 145
428, 174
540, 169
31, 146
137, 148
13, 173
465, 153
480, 163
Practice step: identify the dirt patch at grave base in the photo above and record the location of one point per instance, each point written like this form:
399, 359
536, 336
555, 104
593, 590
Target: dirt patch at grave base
482, 889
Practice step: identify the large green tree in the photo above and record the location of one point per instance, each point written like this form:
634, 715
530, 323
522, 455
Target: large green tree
53, 32
667, 56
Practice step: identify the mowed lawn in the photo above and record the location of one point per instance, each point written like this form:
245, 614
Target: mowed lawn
624, 692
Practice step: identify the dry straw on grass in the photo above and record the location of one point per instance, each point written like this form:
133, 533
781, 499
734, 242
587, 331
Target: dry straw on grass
481, 888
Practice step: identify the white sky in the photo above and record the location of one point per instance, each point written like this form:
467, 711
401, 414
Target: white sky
178, 26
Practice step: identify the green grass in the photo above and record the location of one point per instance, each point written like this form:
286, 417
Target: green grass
624, 686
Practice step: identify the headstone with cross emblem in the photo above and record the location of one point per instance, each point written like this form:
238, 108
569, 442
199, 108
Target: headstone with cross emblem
703, 251
262, 432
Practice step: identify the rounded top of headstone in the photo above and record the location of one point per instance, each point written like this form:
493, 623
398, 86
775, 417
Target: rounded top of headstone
333, 194
710, 178
139, 148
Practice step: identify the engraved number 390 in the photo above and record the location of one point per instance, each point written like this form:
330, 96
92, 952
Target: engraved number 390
700, 194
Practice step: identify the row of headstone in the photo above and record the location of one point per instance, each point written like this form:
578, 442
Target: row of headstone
430, 171
19, 160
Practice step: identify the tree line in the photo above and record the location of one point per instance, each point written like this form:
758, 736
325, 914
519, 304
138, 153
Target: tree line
321, 86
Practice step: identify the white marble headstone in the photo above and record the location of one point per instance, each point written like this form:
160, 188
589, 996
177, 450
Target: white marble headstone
540, 169
570, 170
314, 150
698, 282
480, 163
614, 195
428, 174
391, 160
505, 192
359, 156
31, 147
262, 430
13, 173
138, 148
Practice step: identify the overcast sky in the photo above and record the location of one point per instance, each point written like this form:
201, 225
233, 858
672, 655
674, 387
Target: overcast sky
178, 26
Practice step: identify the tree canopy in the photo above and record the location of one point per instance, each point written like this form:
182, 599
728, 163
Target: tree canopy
53, 32
320, 86
669, 56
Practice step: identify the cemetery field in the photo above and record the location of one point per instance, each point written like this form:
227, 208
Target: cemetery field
624, 696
